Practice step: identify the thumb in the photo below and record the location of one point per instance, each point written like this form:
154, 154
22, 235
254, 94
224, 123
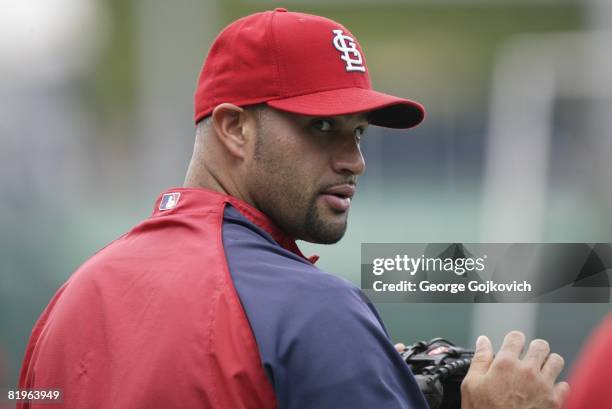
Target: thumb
483, 356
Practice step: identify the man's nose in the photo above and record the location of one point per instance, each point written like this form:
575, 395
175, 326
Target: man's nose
348, 159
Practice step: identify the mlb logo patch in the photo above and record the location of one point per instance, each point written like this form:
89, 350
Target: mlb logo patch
169, 201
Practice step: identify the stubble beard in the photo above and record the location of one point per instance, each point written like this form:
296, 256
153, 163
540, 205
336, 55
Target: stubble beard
320, 231
287, 201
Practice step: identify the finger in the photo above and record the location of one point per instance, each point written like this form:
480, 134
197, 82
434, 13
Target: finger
399, 347
561, 390
513, 344
553, 367
483, 355
537, 353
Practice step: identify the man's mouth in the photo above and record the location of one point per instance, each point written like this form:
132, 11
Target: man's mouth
339, 197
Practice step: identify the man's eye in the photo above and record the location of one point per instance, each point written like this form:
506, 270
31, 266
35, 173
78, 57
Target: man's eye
359, 133
323, 125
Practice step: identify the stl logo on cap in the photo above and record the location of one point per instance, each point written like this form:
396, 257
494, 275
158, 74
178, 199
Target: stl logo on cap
350, 54
169, 201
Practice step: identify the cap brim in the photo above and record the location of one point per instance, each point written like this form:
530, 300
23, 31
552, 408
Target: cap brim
384, 110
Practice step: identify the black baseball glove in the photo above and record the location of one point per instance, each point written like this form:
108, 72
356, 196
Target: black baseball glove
439, 368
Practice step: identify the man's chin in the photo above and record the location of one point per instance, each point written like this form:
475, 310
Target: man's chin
324, 238
326, 227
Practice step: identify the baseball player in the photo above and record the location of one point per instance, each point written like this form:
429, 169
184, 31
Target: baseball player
209, 303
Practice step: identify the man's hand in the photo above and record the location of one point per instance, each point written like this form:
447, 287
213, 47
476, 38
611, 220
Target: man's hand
508, 382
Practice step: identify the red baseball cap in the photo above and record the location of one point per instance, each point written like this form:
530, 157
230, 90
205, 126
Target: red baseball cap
299, 63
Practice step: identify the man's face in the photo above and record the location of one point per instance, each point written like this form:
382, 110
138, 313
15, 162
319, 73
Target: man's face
304, 171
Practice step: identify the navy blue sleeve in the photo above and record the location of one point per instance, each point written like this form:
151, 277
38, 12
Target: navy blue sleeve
320, 340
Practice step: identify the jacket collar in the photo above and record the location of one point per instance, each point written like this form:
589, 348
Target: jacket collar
190, 200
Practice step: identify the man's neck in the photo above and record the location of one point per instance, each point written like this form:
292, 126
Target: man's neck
203, 181
200, 176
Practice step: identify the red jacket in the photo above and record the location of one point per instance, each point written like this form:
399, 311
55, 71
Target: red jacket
152, 320
591, 380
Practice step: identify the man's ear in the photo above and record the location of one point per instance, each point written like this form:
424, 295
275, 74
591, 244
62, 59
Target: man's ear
234, 128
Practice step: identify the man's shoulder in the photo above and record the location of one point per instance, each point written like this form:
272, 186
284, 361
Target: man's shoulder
260, 266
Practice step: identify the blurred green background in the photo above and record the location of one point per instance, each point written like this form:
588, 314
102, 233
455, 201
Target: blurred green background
96, 120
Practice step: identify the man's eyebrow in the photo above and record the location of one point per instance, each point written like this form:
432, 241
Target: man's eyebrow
366, 117
358, 117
